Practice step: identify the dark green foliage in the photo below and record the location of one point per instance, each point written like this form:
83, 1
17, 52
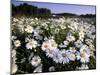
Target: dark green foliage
29, 11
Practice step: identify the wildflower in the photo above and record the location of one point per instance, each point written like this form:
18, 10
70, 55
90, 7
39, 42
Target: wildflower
64, 56
70, 38
53, 44
56, 30
13, 52
36, 60
50, 53
29, 29
14, 68
13, 37
17, 43
66, 42
31, 44
45, 45
72, 56
38, 69
78, 43
83, 57
56, 56
63, 27
81, 35
52, 68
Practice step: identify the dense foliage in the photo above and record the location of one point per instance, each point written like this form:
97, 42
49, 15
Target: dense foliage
30, 10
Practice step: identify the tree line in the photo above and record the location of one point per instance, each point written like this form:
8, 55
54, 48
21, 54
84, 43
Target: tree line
30, 11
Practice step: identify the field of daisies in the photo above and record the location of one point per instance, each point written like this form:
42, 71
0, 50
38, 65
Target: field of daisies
52, 45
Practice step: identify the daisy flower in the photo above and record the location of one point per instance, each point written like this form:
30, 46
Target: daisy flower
65, 42
57, 30
50, 53
53, 44
85, 48
81, 35
38, 69
17, 43
13, 52
29, 29
52, 68
13, 37
31, 44
63, 27
78, 43
70, 38
64, 56
36, 60
14, 68
83, 57
45, 46
72, 49
56, 56
72, 56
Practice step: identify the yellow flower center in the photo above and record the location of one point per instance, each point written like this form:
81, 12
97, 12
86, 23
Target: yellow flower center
46, 46
82, 55
64, 55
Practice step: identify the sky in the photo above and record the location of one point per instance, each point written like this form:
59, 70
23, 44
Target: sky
61, 8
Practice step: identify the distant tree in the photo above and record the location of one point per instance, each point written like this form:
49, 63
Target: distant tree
88, 15
44, 12
30, 10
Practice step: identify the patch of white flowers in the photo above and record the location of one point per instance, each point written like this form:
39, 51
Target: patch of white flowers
17, 44
78, 42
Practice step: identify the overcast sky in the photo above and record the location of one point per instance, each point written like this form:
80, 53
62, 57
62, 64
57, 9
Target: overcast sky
61, 8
